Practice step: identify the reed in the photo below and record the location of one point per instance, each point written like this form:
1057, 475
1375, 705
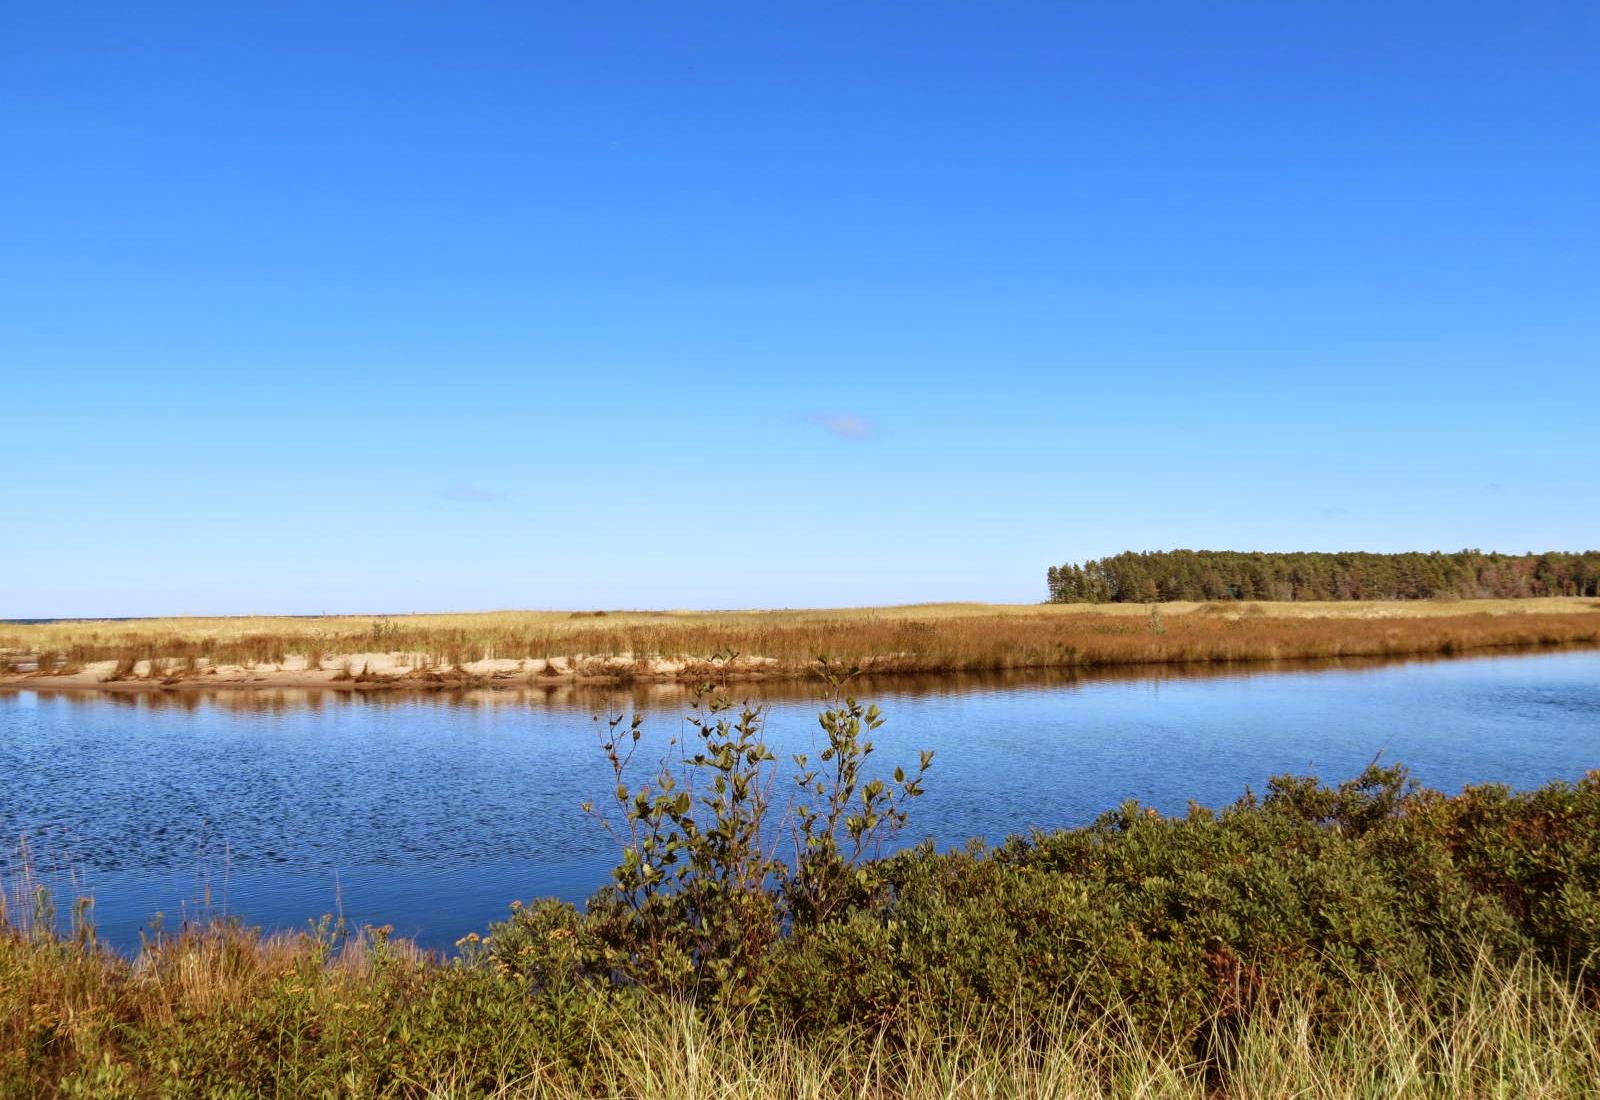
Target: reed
930, 638
217, 1008
1511, 1032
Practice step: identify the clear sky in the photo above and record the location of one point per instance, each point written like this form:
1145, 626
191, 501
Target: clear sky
386, 307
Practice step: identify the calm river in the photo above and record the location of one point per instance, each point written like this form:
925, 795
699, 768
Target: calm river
432, 813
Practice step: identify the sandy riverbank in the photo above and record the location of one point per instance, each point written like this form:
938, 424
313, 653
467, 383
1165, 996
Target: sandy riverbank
373, 671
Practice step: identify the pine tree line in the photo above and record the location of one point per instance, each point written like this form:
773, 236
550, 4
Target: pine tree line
1199, 575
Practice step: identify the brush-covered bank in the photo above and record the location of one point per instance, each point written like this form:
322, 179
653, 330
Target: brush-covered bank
519, 649
1372, 938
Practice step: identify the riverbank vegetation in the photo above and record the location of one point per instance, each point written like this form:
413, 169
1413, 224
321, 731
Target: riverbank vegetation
1232, 575
443, 651
216, 1014
1372, 938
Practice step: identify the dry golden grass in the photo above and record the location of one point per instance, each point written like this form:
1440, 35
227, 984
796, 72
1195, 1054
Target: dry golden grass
67, 633
220, 1012
913, 638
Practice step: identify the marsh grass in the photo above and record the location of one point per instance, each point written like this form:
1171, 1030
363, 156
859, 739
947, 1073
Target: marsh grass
220, 1011
929, 638
1508, 1032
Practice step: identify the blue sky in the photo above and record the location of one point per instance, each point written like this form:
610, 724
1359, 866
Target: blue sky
313, 307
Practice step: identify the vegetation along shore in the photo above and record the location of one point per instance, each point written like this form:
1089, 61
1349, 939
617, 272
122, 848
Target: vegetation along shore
1373, 938
1237, 575
516, 648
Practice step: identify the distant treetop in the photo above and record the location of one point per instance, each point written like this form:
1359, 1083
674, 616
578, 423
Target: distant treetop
1200, 575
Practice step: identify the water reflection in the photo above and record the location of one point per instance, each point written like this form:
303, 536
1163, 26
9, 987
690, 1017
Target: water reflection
603, 698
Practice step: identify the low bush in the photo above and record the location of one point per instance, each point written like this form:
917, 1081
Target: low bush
1176, 920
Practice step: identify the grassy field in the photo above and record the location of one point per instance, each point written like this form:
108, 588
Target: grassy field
621, 645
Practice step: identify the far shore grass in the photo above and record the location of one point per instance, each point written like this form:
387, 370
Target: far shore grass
364, 652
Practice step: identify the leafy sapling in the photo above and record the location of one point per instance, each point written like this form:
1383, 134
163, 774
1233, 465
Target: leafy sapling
840, 818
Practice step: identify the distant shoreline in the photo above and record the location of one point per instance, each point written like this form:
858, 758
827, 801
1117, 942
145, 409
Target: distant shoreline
432, 653
276, 681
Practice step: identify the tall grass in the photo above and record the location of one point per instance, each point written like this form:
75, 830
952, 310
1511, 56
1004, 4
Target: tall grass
904, 640
220, 1012
1512, 1033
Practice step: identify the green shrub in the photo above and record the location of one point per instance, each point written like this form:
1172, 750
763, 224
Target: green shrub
701, 900
1181, 920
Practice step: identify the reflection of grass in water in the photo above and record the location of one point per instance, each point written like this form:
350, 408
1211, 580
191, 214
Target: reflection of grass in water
44, 893
30, 887
596, 697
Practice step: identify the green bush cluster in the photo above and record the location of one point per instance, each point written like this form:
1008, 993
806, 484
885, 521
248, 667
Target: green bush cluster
1182, 919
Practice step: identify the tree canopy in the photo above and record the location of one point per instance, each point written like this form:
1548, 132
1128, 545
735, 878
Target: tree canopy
1240, 575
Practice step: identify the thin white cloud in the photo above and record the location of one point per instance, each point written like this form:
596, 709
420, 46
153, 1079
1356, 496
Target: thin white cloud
843, 425
467, 493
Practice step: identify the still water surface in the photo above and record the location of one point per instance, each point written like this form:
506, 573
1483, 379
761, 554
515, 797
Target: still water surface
432, 813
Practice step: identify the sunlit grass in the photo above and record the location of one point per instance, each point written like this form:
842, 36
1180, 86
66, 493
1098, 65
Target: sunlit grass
214, 1008
915, 638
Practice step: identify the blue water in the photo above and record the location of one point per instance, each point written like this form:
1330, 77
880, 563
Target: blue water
432, 813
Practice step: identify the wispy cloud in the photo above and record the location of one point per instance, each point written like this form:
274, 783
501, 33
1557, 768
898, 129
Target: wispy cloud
467, 493
843, 425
